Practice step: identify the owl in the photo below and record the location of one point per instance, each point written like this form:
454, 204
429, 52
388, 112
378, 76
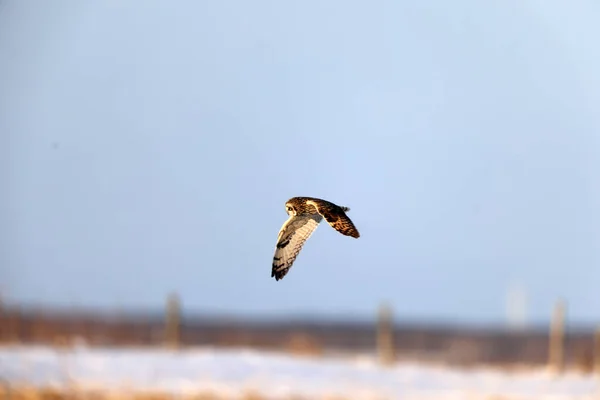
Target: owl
305, 215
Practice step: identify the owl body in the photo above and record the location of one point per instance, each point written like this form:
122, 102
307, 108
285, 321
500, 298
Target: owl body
305, 215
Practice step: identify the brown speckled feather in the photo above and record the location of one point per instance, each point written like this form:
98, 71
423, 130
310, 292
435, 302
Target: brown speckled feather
336, 217
305, 215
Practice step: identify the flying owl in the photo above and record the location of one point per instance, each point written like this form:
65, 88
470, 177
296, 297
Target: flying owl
305, 215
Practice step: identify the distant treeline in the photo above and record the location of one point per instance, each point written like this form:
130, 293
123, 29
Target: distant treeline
453, 345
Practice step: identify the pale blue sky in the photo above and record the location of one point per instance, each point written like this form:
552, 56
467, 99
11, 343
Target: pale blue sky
150, 146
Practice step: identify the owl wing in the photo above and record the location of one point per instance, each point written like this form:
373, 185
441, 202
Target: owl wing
294, 232
336, 217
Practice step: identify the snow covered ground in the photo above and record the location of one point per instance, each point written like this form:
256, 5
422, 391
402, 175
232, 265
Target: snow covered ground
273, 375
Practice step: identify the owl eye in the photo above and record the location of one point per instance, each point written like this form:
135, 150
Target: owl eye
289, 208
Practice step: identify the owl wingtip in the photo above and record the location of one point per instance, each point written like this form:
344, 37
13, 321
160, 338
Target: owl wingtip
277, 277
277, 274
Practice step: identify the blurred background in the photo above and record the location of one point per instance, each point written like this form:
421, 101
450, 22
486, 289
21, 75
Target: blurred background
148, 149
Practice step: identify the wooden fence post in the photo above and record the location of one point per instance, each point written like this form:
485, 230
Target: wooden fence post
556, 351
4, 323
172, 321
597, 351
385, 336
14, 325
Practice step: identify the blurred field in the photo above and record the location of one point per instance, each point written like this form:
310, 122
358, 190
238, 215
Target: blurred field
86, 372
54, 394
451, 345
51, 354
30, 393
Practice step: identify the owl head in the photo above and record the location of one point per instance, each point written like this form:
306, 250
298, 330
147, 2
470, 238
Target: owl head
290, 209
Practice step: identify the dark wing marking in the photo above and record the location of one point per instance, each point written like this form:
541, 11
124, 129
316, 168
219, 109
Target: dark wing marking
294, 232
336, 217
